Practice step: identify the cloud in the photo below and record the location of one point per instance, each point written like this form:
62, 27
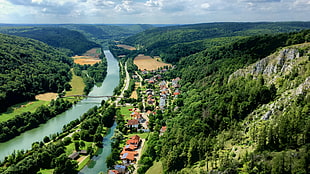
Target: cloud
154, 3
152, 11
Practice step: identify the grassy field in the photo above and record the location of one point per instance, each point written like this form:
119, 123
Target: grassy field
47, 171
77, 86
127, 47
83, 164
21, 108
156, 168
141, 135
126, 112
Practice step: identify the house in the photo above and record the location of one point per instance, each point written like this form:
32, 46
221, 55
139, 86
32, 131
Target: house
175, 82
162, 130
74, 156
113, 172
128, 158
162, 84
135, 140
177, 92
130, 147
149, 91
133, 123
83, 152
120, 168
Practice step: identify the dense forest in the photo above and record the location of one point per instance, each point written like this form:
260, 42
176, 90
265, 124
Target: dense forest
29, 67
75, 42
104, 34
238, 122
174, 42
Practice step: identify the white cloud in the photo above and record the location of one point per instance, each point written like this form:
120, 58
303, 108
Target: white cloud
205, 5
152, 11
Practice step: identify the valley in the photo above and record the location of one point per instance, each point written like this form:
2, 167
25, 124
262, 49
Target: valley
194, 99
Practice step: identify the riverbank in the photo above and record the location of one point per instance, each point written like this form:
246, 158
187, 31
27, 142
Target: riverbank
55, 125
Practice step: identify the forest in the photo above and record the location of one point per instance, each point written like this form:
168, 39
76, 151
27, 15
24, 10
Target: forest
216, 128
173, 42
71, 42
29, 67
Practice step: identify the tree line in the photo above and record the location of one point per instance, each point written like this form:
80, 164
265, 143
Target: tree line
27, 120
28, 68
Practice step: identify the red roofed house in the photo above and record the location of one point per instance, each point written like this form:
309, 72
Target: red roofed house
162, 130
135, 140
128, 158
133, 123
113, 172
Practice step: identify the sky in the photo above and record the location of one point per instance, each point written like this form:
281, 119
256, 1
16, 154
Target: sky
151, 11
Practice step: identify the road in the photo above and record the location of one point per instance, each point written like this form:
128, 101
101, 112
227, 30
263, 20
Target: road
127, 80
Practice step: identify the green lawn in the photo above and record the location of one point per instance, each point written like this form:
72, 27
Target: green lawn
46, 171
77, 86
83, 164
141, 135
126, 112
156, 168
21, 108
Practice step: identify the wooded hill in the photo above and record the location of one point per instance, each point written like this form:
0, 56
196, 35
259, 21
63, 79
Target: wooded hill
58, 37
239, 112
104, 33
174, 42
29, 67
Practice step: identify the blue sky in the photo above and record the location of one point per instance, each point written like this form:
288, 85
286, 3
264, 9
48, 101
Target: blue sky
151, 11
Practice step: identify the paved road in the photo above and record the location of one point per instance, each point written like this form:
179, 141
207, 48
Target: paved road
127, 80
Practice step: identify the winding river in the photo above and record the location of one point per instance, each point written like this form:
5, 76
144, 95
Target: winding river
54, 125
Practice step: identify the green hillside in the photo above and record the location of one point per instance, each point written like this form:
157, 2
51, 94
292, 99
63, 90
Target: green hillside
104, 33
244, 108
58, 37
174, 42
29, 67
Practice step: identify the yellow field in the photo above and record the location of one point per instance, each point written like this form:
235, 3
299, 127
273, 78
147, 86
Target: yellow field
127, 47
47, 96
90, 57
148, 63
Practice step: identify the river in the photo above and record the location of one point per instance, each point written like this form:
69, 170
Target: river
54, 125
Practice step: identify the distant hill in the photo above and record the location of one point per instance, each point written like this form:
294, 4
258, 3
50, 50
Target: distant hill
57, 37
174, 42
29, 67
105, 33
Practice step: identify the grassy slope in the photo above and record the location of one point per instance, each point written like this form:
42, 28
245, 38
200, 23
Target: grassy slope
77, 89
18, 109
156, 168
77, 86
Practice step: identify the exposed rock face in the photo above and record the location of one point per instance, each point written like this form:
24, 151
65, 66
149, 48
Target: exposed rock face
276, 64
279, 66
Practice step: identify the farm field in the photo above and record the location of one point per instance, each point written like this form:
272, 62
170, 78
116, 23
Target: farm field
47, 96
127, 47
90, 57
148, 63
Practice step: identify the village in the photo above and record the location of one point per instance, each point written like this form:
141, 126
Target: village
157, 94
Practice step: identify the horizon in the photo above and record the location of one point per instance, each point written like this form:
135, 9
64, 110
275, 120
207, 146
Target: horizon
149, 23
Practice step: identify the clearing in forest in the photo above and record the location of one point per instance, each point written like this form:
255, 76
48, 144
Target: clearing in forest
127, 47
47, 96
90, 57
148, 63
